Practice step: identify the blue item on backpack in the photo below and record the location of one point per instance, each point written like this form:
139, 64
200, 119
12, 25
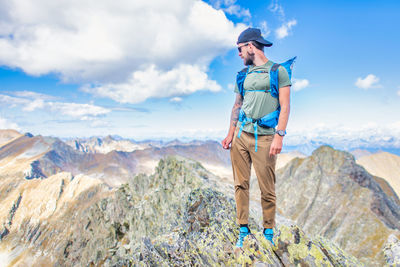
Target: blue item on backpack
270, 120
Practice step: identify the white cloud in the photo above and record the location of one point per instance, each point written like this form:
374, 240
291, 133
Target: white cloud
371, 81
13, 101
33, 101
238, 11
284, 30
152, 82
75, 110
230, 7
5, 124
264, 28
275, 7
34, 104
176, 99
185, 134
29, 100
30, 94
370, 134
398, 92
299, 84
231, 86
229, 2
395, 126
107, 42
99, 124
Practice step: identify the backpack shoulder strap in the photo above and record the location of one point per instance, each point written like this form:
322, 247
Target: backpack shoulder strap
274, 80
240, 77
275, 67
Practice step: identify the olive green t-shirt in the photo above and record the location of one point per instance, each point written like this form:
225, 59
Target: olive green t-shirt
257, 104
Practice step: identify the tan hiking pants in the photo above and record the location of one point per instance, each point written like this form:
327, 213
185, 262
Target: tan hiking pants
242, 155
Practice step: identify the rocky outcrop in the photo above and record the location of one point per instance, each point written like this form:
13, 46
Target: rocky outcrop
34, 171
36, 214
328, 194
175, 217
392, 251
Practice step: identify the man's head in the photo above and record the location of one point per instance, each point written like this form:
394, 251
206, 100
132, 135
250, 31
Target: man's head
251, 44
253, 34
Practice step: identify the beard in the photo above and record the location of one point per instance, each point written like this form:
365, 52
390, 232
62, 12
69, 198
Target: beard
249, 60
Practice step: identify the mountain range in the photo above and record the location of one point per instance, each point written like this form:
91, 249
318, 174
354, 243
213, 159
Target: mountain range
79, 205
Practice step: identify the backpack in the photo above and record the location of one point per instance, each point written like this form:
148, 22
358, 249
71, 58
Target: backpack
270, 120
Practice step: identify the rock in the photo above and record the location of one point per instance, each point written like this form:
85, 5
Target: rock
29, 135
392, 251
175, 217
332, 196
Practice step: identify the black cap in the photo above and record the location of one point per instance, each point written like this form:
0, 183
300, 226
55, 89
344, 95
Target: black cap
253, 34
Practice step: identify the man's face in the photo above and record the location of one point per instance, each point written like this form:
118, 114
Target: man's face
246, 54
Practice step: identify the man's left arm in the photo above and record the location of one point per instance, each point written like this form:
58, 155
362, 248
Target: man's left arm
284, 101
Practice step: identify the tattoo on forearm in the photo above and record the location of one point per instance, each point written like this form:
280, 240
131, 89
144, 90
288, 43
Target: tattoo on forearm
236, 110
235, 114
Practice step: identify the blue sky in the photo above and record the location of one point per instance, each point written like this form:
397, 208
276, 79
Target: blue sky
151, 70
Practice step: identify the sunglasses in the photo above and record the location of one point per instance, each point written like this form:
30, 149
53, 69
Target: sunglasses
240, 47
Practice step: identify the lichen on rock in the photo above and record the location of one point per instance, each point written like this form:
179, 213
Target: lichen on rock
175, 217
392, 251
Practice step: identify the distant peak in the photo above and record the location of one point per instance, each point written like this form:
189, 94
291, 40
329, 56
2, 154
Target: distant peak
323, 149
108, 137
329, 155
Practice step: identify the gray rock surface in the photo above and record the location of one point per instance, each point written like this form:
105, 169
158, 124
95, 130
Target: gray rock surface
176, 217
392, 251
328, 194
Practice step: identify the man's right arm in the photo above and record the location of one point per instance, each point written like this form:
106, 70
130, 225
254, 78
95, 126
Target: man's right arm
234, 120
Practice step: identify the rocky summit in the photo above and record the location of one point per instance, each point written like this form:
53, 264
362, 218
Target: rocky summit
175, 217
328, 194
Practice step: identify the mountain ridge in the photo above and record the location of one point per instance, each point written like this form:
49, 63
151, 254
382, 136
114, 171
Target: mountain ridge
173, 217
325, 193
322, 186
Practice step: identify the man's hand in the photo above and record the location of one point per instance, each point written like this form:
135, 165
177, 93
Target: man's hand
226, 142
276, 145
234, 119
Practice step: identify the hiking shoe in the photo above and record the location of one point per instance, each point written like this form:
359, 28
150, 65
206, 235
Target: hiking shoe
269, 234
243, 232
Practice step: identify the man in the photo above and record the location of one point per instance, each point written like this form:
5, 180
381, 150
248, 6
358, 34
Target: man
252, 144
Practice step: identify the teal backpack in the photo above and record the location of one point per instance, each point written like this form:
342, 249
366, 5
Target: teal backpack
270, 120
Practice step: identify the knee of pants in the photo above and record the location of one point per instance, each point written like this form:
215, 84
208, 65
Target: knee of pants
268, 196
244, 185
